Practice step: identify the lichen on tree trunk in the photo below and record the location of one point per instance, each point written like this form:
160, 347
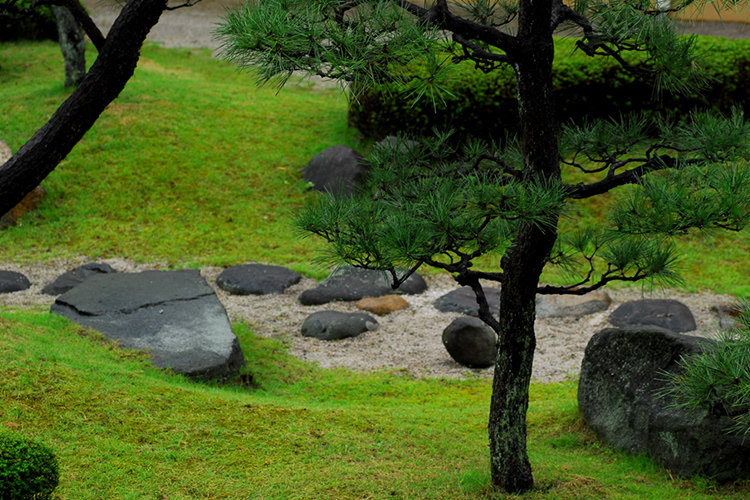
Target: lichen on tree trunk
72, 45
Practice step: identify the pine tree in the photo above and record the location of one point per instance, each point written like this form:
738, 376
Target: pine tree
445, 203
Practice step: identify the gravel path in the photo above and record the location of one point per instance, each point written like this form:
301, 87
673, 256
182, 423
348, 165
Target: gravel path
407, 341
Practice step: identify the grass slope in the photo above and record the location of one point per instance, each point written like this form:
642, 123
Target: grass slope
122, 429
192, 165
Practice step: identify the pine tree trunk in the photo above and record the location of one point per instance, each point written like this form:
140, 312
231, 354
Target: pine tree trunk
102, 84
525, 259
70, 38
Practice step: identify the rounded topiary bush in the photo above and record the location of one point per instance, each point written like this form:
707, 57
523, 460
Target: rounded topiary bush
28, 470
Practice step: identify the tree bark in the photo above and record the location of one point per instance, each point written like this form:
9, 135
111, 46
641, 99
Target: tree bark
72, 45
78, 113
523, 262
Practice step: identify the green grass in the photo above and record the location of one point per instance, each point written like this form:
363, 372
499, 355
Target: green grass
194, 166
122, 429
191, 165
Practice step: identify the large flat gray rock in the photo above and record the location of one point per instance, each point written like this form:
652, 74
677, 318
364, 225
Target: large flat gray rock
173, 314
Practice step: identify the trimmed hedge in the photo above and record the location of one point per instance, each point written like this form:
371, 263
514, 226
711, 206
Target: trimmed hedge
28, 470
40, 25
597, 87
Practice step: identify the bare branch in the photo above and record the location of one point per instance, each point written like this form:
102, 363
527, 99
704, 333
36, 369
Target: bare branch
583, 290
187, 3
562, 13
507, 169
441, 17
484, 308
84, 20
632, 176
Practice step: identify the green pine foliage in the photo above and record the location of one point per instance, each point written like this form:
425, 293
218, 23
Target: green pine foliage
28, 470
718, 379
431, 202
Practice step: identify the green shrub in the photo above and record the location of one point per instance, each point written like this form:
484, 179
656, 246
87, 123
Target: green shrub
586, 87
39, 25
28, 470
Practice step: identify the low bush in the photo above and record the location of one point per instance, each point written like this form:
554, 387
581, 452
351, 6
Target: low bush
20, 25
586, 87
28, 470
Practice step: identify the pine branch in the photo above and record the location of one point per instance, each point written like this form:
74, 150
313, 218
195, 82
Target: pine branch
484, 308
442, 18
632, 176
577, 289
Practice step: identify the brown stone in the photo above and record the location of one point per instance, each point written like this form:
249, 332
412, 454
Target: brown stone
29, 203
383, 305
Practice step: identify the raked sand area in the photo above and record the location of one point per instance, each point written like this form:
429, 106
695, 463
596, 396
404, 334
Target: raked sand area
409, 340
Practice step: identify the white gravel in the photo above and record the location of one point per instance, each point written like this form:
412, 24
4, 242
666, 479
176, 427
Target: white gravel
407, 341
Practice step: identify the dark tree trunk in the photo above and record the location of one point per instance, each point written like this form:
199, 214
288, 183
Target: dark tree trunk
72, 45
525, 259
101, 85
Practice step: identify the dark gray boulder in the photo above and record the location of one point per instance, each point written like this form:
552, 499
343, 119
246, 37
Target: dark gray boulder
338, 170
11, 281
571, 306
470, 342
665, 313
256, 279
335, 325
75, 277
462, 300
621, 373
173, 314
353, 283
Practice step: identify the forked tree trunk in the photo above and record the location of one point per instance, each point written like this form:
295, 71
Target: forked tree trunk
101, 85
523, 262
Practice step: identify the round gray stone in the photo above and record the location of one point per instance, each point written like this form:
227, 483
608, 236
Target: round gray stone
622, 374
470, 342
11, 281
256, 279
463, 300
664, 313
338, 170
335, 325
